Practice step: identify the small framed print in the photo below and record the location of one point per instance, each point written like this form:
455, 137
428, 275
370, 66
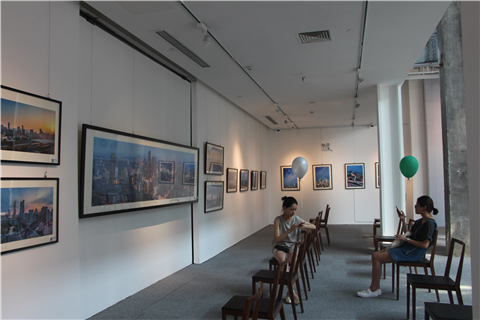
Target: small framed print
213, 196
213, 159
29, 213
243, 180
322, 177
30, 127
254, 180
290, 182
263, 179
190, 173
377, 175
167, 171
232, 179
354, 176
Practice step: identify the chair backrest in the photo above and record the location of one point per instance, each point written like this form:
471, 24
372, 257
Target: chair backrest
276, 294
297, 255
327, 213
411, 222
460, 263
255, 299
434, 247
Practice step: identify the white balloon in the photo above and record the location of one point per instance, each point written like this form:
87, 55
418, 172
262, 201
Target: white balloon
299, 167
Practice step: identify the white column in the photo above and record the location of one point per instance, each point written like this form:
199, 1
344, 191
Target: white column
390, 140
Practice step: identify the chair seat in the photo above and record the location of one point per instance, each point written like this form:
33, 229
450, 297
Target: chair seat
386, 238
424, 262
442, 311
236, 304
430, 282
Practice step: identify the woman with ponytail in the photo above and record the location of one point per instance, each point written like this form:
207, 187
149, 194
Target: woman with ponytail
412, 249
287, 231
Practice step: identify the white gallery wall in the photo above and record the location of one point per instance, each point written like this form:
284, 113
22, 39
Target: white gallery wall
348, 145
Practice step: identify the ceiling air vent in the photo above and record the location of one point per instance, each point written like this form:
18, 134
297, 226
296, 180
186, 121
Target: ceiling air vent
271, 120
182, 48
315, 36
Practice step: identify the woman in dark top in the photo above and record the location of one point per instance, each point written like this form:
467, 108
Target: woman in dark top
412, 249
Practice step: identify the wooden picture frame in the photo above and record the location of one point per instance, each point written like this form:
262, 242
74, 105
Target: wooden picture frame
232, 180
213, 196
243, 180
322, 177
214, 159
121, 172
29, 213
254, 180
354, 176
31, 127
289, 181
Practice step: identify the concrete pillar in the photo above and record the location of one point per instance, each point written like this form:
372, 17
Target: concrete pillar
471, 52
453, 122
390, 140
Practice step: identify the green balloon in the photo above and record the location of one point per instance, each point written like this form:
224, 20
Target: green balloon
408, 166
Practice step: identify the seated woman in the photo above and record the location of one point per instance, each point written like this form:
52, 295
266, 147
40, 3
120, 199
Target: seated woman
287, 231
412, 249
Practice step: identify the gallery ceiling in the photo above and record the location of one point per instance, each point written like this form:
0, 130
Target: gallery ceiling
257, 60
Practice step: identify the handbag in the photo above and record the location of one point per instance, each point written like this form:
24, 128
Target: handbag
397, 242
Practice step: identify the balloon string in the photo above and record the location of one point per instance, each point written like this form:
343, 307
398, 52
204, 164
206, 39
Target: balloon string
301, 194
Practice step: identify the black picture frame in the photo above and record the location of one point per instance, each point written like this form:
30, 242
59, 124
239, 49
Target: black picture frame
213, 196
24, 113
254, 180
263, 179
289, 181
232, 180
120, 172
36, 221
354, 175
322, 177
214, 159
244, 180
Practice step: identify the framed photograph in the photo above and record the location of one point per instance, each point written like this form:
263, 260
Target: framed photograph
123, 172
290, 182
213, 159
213, 196
30, 127
322, 177
354, 176
243, 180
166, 171
29, 212
377, 175
232, 179
254, 180
189, 173
263, 179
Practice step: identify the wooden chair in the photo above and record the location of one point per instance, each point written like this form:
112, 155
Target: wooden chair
423, 263
324, 223
420, 281
255, 299
443, 311
318, 238
267, 276
270, 307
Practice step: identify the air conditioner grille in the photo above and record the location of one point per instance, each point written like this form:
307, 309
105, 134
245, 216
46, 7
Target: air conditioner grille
271, 120
182, 48
314, 36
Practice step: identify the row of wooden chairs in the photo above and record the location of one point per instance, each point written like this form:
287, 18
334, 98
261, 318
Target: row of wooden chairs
279, 275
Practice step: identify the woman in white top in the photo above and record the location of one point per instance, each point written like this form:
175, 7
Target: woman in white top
287, 231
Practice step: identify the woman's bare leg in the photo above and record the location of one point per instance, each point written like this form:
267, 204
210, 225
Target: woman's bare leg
378, 258
280, 256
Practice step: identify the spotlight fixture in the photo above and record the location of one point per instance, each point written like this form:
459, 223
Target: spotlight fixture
206, 39
357, 105
286, 122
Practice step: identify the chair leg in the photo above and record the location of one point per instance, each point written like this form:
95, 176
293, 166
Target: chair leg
414, 303
408, 300
303, 281
398, 281
306, 276
450, 296
384, 271
300, 295
393, 277
328, 235
282, 314
320, 240
292, 298
436, 291
311, 263
459, 297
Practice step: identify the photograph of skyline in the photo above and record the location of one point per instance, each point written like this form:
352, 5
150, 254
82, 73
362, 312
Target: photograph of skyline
322, 177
